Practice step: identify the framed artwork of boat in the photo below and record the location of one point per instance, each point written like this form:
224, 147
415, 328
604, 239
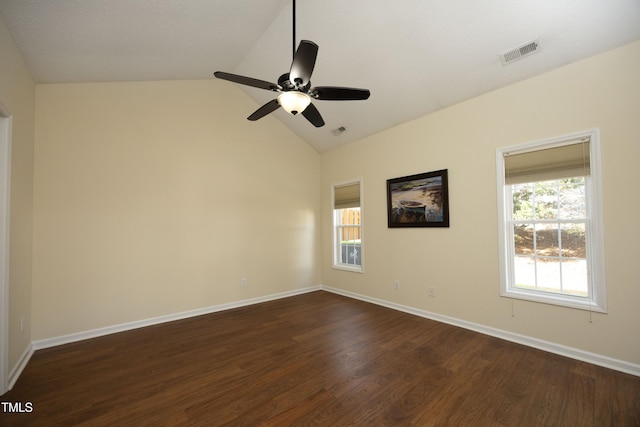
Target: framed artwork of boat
420, 200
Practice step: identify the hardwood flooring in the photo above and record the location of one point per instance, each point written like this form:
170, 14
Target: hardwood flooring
317, 359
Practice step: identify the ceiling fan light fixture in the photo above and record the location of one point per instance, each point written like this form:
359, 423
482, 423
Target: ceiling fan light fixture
294, 102
295, 87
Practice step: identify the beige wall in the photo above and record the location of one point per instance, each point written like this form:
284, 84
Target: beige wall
155, 198
462, 261
17, 95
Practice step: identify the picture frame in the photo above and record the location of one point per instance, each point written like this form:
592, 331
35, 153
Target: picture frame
420, 200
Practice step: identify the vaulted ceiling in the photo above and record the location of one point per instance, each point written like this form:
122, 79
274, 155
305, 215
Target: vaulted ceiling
415, 56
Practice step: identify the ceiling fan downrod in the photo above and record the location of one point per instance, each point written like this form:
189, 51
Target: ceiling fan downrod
294, 29
294, 88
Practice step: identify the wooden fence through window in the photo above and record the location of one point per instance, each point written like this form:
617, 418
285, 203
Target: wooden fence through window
350, 217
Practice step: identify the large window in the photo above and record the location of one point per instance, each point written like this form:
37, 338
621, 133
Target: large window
551, 244
347, 225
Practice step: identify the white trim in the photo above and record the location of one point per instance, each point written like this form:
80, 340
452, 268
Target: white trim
5, 200
334, 255
22, 363
595, 242
346, 268
596, 359
573, 353
94, 333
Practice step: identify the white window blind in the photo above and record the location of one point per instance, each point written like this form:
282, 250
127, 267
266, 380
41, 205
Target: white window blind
571, 159
347, 196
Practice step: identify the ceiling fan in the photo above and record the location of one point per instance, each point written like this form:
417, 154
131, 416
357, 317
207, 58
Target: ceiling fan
294, 88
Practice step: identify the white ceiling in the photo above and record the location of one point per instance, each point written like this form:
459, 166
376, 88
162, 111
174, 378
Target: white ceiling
416, 56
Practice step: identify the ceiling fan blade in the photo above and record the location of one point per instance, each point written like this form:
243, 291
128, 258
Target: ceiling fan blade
303, 63
312, 114
249, 81
334, 93
267, 108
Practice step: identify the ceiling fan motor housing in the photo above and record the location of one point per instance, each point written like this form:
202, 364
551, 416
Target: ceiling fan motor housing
286, 84
294, 88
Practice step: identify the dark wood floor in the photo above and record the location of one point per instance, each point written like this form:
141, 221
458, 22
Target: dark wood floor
315, 359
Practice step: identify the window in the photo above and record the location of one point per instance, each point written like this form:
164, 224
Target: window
550, 222
347, 225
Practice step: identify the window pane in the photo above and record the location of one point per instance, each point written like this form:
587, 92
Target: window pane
547, 243
346, 235
522, 201
523, 239
548, 275
572, 198
350, 245
349, 216
344, 253
524, 272
546, 200
574, 277
574, 243
350, 252
353, 254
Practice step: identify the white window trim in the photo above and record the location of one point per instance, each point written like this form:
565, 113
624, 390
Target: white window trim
595, 242
334, 255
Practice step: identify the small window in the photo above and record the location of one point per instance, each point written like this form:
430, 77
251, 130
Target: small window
551, 235
347, 225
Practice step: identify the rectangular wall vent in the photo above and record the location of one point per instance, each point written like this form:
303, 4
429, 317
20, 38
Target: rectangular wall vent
520, 52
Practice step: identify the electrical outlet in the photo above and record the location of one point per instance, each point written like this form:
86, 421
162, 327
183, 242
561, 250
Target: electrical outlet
21, 323
243, 282
396, 284
432, 292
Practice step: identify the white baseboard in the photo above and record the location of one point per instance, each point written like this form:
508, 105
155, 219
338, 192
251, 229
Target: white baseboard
66, 339
94, 333
19, 367
596, 359
574, 353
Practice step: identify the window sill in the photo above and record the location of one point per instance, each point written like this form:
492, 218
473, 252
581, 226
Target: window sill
353, 269
554, 299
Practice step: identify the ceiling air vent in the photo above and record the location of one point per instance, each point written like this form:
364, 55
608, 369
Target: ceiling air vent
520, 52
338, 131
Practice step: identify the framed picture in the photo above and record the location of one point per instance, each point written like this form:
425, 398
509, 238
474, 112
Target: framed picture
420, 200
